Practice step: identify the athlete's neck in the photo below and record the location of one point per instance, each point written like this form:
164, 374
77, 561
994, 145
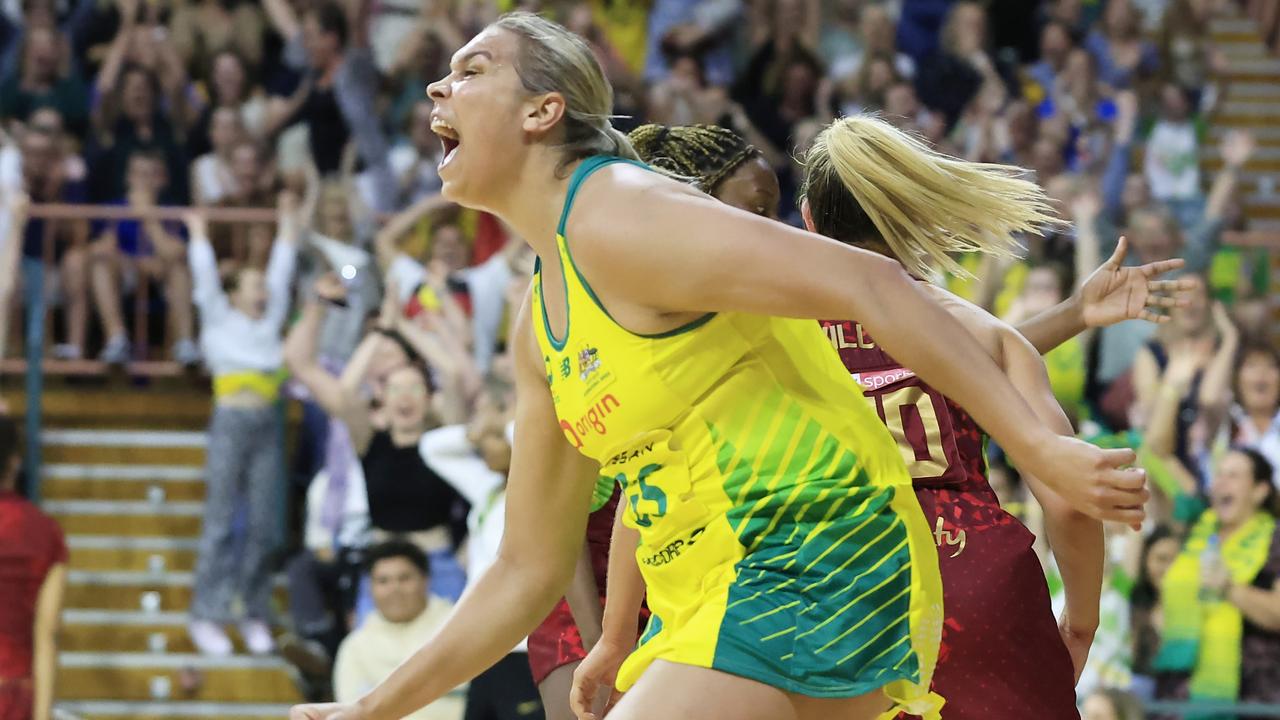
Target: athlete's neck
532, 207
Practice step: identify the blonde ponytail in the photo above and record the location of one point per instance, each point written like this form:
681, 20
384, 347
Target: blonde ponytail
867, 180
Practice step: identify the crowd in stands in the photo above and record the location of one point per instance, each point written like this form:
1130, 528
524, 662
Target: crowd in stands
382, 310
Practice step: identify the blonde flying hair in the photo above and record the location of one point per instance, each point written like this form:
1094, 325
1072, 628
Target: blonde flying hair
553, 59
867, 181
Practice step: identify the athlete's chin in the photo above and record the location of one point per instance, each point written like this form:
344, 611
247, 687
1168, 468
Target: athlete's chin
456, 191
467, 190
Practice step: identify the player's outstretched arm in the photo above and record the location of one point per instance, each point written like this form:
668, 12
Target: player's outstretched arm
1112, 293
653, 242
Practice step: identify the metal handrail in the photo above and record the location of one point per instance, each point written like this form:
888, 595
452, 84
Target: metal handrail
1213, 708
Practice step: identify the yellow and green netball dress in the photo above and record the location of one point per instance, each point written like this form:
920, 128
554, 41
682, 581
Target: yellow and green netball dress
780, 537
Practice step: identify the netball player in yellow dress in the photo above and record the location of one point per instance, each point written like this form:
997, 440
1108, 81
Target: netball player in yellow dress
790, 571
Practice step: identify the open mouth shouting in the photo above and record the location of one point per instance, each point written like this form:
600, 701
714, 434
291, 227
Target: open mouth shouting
449, 140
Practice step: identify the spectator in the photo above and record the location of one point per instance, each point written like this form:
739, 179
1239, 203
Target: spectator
48, 120
211, 174
13, 216
1124, 57
1070, 13
127, 253
229, 85
1111, 704
1183, 374
240, 338
964, 66
337, 102
413, 164
33, 571
204, 29
871, 85
486, 284
840, 42
253, 185
1255, 418
1159, 550
1055, 45
779, 85
17, 18
1156, 235
879, 37
406, 616
141, 103
45, 79
919, 26
1187, 54
422, 56
683, 98
692, 27
407, 500
1122, 192
324, 577
1082, 104
581, 18
140, 126
1045, 286
1221, 634
47, 176
1173, 148
1015, 134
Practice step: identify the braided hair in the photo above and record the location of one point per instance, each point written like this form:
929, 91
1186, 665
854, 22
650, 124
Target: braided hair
703, 155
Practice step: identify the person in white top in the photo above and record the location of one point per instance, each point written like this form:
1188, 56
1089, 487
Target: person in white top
406, 617
241, 341
474, 459
13, 218
211, 177
1256, 416
1172, 162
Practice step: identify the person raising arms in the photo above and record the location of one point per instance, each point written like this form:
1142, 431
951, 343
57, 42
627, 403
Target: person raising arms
737, 440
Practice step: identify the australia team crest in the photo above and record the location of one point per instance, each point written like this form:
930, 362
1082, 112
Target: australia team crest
588, 362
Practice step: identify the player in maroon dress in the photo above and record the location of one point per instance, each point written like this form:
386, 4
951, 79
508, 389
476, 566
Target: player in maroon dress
1003, 654
557, 646
33, 565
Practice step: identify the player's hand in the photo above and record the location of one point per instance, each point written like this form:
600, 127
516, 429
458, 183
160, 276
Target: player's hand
1099, 483
325, 711
596, 675
1078, 641
1114, 293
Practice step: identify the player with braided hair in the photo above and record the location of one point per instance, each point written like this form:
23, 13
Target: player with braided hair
716, 160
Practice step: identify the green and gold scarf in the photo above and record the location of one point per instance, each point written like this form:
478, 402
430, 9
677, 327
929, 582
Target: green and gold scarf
1203, 636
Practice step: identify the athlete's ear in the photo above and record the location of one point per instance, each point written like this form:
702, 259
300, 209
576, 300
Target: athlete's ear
542, 112
807, 214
